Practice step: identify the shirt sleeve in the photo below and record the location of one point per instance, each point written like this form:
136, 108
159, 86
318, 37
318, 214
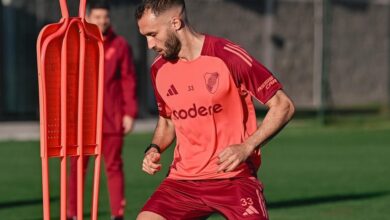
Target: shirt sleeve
128, 82
250, 74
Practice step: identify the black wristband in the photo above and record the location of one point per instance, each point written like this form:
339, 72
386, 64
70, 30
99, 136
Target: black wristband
153, 146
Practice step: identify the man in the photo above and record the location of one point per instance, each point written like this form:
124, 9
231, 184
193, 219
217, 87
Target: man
204, 87
119, 110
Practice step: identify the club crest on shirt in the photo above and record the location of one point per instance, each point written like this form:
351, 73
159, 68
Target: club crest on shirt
212, 81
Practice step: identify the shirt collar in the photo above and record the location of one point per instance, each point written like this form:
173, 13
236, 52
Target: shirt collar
109, 35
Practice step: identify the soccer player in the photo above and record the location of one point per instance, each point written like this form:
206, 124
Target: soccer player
204, 87
119, 111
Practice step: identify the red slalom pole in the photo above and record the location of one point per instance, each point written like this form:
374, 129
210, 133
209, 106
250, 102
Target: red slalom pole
70, 75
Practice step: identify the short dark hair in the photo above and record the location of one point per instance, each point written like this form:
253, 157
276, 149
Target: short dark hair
158, 6
98, 4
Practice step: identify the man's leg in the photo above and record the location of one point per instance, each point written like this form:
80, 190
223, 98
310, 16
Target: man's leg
146, 215
112, 155
72, 186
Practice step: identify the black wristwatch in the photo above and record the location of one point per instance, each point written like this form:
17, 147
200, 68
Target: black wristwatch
153, 146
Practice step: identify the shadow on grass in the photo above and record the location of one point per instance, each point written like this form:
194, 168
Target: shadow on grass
271, 205
86, 216
27, 202
325, 199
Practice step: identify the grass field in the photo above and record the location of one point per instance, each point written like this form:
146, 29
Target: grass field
337, 172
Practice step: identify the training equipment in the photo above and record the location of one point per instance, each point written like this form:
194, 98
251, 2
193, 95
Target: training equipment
70, 74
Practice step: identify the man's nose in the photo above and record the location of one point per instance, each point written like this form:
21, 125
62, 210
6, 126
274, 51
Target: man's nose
151, 43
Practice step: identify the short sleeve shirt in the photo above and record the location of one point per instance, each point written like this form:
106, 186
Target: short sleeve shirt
209, 100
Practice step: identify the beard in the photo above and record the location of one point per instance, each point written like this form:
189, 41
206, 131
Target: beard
173, 47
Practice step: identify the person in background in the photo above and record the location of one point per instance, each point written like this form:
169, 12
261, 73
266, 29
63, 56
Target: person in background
119, 111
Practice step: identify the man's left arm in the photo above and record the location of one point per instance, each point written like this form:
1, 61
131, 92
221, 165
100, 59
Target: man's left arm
128, 83
280, 111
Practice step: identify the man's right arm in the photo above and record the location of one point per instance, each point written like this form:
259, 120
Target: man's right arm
164, 135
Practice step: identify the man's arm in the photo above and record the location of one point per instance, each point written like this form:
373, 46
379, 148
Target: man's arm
164, 135
280, 111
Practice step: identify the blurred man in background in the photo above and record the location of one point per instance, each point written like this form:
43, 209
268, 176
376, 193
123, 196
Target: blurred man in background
204, 87
119, 111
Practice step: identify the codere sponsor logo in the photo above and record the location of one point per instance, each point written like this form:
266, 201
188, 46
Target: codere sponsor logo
195, 111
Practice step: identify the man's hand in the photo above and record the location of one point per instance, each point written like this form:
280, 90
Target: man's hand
233, 156
151, 163
127, 123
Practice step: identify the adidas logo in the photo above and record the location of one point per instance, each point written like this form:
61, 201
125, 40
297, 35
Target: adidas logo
250, 211
172, 91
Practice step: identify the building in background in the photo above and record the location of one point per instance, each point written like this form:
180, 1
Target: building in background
18, 79
330, 53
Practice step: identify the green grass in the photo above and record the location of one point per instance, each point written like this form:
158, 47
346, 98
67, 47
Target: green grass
338, 172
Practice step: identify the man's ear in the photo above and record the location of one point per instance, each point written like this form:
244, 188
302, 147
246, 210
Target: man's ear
176, 23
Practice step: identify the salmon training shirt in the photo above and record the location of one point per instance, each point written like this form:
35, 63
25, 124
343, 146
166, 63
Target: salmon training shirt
209, 100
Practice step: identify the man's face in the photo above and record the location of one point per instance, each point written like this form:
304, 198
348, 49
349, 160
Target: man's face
100, 17
160, 35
